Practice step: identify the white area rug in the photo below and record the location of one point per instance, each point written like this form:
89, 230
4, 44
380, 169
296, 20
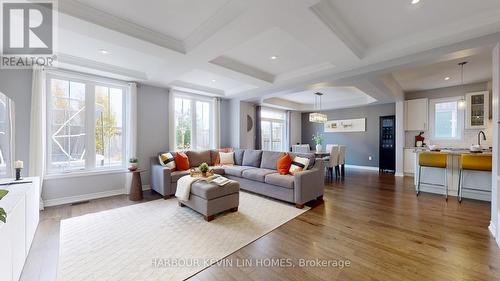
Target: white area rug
141, 242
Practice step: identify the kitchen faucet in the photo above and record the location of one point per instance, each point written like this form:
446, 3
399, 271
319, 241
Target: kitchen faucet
479, 137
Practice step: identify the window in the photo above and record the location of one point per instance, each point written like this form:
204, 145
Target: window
273, 130
447, 119
193, 120
85, 124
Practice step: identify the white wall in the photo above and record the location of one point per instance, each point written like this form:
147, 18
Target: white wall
495, 208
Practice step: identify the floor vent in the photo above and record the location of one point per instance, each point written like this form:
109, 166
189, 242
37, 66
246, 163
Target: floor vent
80, 203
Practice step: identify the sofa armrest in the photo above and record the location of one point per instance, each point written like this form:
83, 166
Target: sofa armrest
309, 184
160, 180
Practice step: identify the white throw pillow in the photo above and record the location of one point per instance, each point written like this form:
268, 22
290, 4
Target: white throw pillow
226, 158
167, 160
299, 164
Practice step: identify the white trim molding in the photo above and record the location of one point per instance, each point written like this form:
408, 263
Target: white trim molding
86, 197
370, 168
83, 197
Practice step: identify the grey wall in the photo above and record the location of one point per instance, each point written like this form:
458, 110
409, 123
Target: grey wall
16, 84
359, 145
152, 125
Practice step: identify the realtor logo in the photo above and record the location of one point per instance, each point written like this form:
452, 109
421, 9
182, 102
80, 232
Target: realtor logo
27, 33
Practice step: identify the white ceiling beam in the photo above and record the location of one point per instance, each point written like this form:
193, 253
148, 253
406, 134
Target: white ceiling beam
333, 20
101, 18
237, 66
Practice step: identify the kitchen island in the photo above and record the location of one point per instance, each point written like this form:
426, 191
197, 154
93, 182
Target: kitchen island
476, 184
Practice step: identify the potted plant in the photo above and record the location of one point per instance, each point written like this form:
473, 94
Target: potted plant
318, 139
203, 169
132, 164
3, 214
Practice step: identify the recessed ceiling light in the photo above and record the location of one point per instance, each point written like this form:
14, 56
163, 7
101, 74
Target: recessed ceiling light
213, 80
274, 57
413, 2
447, 78
104, 51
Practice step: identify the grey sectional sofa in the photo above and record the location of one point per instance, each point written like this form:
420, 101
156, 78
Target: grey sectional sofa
255, 170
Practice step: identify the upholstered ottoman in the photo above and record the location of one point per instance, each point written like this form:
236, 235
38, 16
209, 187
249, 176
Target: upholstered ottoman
210, 199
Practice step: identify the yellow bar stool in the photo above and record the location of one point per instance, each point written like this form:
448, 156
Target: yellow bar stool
472, 162
434, 160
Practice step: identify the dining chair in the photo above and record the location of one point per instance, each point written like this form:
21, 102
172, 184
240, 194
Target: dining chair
333, 161
328, 148
341, 163
301, 148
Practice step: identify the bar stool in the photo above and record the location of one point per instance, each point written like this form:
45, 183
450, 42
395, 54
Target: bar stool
433, 160
472, 162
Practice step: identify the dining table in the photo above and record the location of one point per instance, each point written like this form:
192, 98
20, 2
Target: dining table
321, 154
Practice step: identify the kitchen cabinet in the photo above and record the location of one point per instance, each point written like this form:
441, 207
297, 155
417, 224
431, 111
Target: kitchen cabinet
416, 112
477, 110
409, 160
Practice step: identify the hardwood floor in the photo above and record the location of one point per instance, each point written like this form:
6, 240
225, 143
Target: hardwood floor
373, 221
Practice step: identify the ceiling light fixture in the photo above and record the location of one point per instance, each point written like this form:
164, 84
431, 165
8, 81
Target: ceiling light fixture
104, 51
213, 80
413, 2
462, 102
317, 117
447, 78
274, 57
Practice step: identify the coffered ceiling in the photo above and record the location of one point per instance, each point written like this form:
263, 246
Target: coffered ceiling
266, 48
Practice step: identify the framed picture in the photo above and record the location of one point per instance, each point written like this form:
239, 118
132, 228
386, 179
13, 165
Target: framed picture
348, 125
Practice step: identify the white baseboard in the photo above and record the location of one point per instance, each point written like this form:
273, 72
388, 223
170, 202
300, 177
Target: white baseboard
493, 229
83, 197
362, 167
399, 174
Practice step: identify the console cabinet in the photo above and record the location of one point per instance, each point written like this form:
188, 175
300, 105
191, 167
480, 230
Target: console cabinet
22, 205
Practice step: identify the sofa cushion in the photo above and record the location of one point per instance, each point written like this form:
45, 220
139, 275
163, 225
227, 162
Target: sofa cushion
176, 175
310, 156
238, 157
284, 163
235, 170
269, 159
286, 181
214, 158
252, 158
196, 158
257, 174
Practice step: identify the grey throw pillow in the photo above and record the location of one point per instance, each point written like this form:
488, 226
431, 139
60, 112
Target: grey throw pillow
238, 157
252, 158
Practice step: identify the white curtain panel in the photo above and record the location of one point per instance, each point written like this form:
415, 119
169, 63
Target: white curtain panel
38, 132
216, 109
132, 120
131, 130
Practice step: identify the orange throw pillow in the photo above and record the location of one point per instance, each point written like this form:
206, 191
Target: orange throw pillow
181, 161
283, 164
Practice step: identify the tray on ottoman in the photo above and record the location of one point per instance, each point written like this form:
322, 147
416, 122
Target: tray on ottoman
210, 199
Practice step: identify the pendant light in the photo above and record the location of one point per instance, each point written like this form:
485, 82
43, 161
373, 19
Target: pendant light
462, 102
317, 117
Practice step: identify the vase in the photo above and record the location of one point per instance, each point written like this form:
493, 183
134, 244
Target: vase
132, 167
319, 148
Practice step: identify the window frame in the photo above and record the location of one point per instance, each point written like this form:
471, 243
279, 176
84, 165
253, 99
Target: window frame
460, 119
90, 82
193, 99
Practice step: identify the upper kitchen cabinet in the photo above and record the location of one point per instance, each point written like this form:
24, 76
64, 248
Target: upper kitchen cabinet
477, 110
416, 112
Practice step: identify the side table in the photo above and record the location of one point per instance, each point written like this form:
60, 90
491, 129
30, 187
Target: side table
136, 185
